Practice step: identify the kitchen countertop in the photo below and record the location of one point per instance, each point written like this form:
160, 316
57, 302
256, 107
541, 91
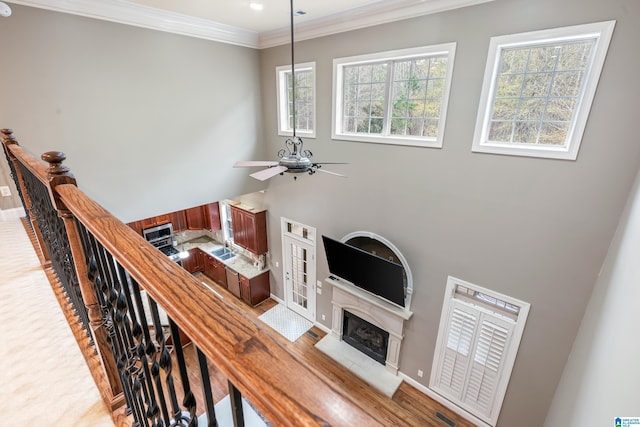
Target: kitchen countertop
238, 263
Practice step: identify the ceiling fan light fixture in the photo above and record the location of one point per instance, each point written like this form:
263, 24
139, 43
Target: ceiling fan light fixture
293, 158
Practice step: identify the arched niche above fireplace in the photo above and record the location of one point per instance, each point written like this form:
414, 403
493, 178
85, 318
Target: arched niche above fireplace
378, 245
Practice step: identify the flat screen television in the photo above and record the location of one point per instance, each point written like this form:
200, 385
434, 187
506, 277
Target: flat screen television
365, 270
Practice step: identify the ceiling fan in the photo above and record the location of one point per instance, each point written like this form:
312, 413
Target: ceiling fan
293, 159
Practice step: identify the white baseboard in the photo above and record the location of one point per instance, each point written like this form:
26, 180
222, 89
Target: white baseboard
444, 402
277, 299
322, 327
12, 214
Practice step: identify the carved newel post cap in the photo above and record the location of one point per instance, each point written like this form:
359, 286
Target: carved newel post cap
7, 136
55, 159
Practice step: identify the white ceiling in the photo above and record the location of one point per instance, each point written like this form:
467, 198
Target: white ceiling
233, 21
275, 14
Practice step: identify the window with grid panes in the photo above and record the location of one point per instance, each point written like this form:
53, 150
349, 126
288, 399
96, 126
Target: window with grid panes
397, 97
305, 99
538, 90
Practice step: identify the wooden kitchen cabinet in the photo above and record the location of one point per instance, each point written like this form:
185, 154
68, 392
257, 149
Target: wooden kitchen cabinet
250, 230
254, 291
198, 259
215, 270
193, 263
209, 267
156, 220
195, 218
179, 221
212, 216
136, 226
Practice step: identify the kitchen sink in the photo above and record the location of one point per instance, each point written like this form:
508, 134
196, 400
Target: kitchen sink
223, 254
226, 256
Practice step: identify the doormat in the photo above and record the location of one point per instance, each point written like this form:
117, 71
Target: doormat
286, 322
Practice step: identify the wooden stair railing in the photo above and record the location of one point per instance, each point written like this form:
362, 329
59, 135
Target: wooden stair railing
115, 264
50, 229
14, 167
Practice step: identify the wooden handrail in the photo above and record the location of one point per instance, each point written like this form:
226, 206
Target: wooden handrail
37, 168
284, 389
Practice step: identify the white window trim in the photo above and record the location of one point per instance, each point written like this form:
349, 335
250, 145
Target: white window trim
281, 95
602, 31
451, 299
338, 66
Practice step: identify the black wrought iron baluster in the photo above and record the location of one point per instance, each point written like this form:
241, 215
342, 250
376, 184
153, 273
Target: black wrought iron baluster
153, 354
12, 170
206, 388
141, 336
102, 291
132, 364
57, 243
137, 357
166, 363
106, 296
236, 405
126, 360
189, 400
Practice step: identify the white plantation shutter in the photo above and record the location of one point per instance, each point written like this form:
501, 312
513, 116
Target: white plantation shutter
476, 348
462, 326
486, 365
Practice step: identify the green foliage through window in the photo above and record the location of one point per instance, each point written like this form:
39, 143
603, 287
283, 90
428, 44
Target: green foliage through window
397, 97
304, 100
537, 92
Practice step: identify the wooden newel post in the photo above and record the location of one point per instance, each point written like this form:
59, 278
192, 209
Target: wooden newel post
8, 139
108, 382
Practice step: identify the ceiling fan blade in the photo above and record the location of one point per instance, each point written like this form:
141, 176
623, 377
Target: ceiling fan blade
332, 173
268, 173
252, 163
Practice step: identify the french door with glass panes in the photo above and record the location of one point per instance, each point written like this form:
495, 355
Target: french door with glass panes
299, 251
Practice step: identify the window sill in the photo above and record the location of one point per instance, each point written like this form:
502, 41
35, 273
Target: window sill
298, 133
412, 142
525, 150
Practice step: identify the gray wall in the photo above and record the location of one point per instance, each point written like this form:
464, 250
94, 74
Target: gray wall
600, 381
151, 122
534, 229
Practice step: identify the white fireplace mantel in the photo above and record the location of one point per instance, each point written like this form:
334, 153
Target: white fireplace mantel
374, 310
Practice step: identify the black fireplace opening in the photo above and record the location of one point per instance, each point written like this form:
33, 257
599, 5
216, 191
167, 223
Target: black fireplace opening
368, 338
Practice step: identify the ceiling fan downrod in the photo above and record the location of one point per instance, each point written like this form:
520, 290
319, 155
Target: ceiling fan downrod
293, 75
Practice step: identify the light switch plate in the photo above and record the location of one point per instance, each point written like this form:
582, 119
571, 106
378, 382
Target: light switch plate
5, 191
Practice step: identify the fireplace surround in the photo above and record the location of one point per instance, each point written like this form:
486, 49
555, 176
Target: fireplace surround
349, 300
386, 316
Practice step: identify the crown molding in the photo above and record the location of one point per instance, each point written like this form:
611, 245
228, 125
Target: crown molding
366, 16
128, 13
124, 12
